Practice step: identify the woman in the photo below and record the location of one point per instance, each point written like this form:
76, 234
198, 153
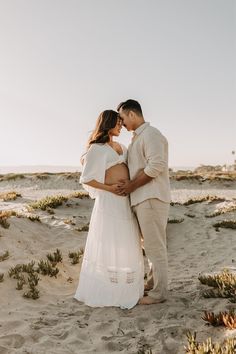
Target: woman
112, 267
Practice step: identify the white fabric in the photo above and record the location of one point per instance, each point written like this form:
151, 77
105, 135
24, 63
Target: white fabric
149, 152
96, 161
112, 271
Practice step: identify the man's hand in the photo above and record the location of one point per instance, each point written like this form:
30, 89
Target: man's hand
125, 187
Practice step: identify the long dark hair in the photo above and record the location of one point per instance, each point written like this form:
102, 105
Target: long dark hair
106, 121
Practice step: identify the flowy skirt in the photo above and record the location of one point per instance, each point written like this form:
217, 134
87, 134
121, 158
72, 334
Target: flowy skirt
112, 271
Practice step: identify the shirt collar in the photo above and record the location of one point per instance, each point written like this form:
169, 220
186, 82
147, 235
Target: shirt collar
141, 128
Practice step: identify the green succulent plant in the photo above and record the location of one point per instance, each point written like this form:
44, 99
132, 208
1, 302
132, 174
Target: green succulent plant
46, 268
75, 256
32, 293
20, 282
55, 258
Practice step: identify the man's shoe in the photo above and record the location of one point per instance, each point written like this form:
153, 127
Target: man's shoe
148, 300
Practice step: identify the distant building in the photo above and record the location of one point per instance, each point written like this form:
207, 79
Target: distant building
208, 168
228, 168
217, 168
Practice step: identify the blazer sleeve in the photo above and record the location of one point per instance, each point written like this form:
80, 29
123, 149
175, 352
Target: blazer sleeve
94, 168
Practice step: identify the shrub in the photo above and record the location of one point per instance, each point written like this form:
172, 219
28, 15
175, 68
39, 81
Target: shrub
4, 215
206, 198
221, 211
55, 258
227, 319
75, 256
9, 196
175, 221
46, 268
4, 256
83, 228
228, 346
49, 202
228, 224
224, 284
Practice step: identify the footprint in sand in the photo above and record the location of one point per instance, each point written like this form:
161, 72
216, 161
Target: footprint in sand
3, 350
44, 322
114, 346
12, 341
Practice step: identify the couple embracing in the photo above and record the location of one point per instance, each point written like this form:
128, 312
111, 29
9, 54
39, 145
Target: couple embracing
132, 195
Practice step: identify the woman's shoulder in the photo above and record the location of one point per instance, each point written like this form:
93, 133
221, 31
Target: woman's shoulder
96, 150
95, 146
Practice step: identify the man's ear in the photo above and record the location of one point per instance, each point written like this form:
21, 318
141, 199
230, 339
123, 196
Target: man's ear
131, 115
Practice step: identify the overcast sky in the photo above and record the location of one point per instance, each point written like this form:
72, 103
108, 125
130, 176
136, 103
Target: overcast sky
64, 61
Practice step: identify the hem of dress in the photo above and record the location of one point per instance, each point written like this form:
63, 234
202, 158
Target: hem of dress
123, 307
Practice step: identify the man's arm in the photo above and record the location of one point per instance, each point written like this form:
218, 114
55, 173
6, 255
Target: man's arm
127, 187
154, 151
113, 188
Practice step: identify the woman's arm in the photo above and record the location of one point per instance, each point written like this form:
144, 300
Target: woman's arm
113, 188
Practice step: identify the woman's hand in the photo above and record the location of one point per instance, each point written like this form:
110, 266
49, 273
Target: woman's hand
125, 187
115, 188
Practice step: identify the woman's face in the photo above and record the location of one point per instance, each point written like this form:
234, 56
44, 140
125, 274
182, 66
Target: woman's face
116, 130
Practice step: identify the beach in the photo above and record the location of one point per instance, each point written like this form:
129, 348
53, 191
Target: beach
56, 323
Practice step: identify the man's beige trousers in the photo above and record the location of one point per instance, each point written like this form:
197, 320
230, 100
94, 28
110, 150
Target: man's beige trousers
152, 216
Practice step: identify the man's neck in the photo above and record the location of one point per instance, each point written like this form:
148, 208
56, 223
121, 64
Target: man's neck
141, 122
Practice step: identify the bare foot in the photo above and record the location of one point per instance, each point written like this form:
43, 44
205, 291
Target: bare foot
148, 300
147, 287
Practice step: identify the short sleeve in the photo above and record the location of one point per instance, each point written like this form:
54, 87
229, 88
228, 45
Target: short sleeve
94, 168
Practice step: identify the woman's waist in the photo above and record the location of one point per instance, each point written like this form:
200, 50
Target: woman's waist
116, 172
110, 203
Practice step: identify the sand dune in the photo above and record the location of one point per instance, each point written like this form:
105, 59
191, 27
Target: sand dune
57, 323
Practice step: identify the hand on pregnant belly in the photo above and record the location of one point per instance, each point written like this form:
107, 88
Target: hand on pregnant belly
114, 188
114, 174
125, 187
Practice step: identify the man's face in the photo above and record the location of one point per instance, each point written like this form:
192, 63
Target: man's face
127, 119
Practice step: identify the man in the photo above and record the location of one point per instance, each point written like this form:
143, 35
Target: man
149, 191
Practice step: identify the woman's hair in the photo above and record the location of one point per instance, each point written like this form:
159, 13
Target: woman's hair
106, 121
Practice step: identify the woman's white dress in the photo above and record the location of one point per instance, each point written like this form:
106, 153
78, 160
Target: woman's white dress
112, 271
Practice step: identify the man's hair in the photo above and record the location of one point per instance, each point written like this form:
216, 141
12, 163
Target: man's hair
131, 105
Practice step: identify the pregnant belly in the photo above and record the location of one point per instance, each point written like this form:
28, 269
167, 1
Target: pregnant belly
115, 173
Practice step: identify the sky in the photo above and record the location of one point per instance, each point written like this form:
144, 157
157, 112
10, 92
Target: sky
62, 62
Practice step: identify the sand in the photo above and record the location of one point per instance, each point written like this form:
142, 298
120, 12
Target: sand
57, 323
